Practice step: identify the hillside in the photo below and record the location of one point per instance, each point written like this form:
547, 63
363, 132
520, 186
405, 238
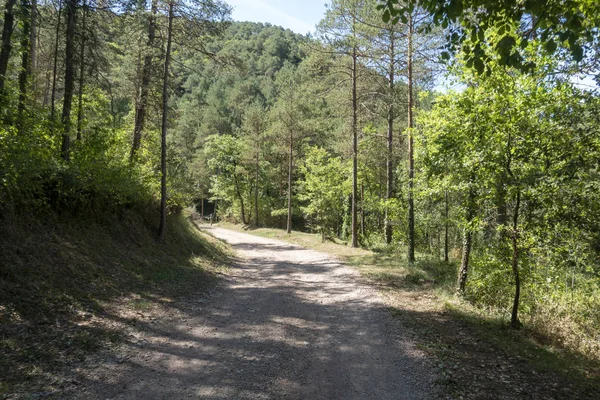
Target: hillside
70, 287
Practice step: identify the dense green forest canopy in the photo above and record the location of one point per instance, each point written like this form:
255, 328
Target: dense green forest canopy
112, 105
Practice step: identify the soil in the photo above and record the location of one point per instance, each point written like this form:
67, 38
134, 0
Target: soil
285, 323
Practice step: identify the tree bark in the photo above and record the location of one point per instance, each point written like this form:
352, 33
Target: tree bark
7, 31
256, 192
55, 64
446, 223
362, 210
354, 242
81, 72
241, 198
71, 10
142, 102
25, 73
411, 160
290, 170
163, 137
467, 242
33, 40
514, 318
389, 194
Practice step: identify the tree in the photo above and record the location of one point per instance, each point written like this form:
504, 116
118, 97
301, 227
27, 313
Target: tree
142, 97
71, 12
339, 30
567, 24
7, 31
230, 178
323, 188
255, 127
163, 137
287, 116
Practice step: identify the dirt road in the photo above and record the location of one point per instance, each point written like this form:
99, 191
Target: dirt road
288, 323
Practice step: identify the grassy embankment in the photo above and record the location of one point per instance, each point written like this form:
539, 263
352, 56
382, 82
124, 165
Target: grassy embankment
70, 286
477, 354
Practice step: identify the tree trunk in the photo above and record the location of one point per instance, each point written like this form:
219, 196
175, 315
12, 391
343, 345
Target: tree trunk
142, 102
7, 31
467, 241
290, 170
243, 208
81, 71
33, 41
25, 73
202, 209
411, 160
514, 318
389, 194
241, 198
446, 223
163, 137
362, 210
71, 9
354, 242
256, 193
464, 263
55, 64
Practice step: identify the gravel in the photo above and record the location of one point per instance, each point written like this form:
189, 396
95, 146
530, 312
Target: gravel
286, 323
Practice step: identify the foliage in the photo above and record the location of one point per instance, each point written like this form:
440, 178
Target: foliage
324, 188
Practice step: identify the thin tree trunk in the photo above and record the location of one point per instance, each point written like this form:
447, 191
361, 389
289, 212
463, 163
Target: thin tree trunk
362, 210
7, 31
55, 65
464, 263
514, 318
142, 101
389, 194
467, 242
241, 198
256, 193
202, 209
71, 9
25, 73
446, 223
354, 242
81, 71
243, 208
33, 37
163, 137
411, 161
290, 170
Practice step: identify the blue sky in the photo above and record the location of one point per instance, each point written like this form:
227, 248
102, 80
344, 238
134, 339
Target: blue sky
300, 16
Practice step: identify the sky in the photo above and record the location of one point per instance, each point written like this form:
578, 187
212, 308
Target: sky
300, 16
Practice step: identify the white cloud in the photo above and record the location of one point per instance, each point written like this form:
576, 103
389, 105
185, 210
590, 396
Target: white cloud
261, 11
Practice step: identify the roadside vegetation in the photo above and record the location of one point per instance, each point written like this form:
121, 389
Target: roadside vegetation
476, 352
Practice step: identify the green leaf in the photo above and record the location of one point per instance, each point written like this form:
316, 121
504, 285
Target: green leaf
479, 65
577, 52
551, 46
386, 16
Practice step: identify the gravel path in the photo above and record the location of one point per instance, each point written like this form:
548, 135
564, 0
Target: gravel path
288, 323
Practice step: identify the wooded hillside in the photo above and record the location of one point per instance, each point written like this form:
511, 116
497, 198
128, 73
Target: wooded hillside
110, 106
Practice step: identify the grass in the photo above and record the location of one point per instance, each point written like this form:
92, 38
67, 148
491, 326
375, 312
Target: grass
477, 354
65, 282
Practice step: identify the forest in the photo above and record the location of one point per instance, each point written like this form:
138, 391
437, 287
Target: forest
351, 132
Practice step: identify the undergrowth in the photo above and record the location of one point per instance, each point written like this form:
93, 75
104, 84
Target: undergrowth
59, 275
